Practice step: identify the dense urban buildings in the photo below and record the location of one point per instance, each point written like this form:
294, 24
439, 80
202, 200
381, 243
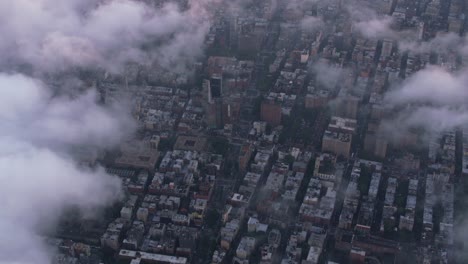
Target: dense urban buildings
324, 131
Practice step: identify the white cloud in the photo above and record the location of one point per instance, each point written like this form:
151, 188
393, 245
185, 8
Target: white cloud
53, 36
310, 23
377, 27
38, 179
432, 85
38, 127
432, 99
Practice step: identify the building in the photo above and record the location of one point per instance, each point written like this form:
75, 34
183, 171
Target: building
231, 109
270, 112
137, 155
112, 237
374, 244
357, 256
138, 257
190, 143
313, 256
246, 247
274, 183
316, 98
342, 125
245, 155
216, 86
327, 171
337, 143
347, 105
375, 144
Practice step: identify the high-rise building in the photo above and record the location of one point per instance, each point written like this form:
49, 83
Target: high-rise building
270, 112
337, 143
375, 142
348, 105
231, 109
216, 86
212, 105
344, 125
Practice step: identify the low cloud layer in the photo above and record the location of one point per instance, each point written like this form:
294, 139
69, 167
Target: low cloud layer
38, 178
326, 74
369, 24
376, 28
310, 24
29, 112
37, 184
446, 42
39, 128
432, 85
53, 36
432, 99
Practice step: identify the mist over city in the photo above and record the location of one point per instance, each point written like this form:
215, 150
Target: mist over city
233, 131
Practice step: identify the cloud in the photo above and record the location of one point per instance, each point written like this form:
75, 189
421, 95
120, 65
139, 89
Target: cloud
369, 24
432, 99
29, 111
327, 74
376, 28
108, 34
41, 125
36, 184
38, 177
432, 85
433, 120
310, 24
441, 42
